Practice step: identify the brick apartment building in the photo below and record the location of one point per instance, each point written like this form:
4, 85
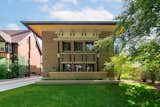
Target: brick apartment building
68, 45
22, 43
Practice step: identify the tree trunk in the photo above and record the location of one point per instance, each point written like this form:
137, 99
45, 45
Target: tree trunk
119, 77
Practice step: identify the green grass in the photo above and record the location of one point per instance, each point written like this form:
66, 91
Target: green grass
103, 95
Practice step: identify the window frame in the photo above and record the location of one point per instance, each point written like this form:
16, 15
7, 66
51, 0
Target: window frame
63, 47
75, 45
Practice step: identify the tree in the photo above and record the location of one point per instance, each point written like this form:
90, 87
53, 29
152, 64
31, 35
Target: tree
121, 65
104, 44
138, 19
148, 54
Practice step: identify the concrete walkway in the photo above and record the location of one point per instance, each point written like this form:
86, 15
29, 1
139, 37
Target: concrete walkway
77, 82
15, 83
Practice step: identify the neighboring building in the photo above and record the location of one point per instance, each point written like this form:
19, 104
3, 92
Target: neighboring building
68, 45
21, 43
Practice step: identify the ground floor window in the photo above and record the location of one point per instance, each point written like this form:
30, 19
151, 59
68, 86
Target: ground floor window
89, 67
66, 67
78, 67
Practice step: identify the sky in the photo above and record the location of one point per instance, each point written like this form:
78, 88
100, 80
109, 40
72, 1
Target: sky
14, 11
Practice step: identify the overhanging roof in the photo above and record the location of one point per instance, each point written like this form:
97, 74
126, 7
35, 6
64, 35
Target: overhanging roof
38, 26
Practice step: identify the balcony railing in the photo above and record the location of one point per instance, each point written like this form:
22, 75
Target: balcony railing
78, 62
81, 52
3, 55
78, 38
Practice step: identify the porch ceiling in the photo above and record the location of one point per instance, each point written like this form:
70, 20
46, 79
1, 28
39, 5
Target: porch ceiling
38, 27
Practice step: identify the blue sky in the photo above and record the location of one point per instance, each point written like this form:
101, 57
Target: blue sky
14, 11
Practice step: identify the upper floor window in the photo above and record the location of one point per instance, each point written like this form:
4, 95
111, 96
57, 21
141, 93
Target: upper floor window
66, 46
72, 33
78, 46
89, 46
10, 48
2, 47
94, 34
84, 34
60, 34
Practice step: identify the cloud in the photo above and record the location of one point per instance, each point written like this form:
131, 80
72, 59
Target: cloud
85, 14
70, 1
44, 8
12, 26
107, 1
40, 1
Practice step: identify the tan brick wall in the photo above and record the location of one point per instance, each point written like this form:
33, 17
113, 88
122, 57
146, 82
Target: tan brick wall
79, 75
50, 50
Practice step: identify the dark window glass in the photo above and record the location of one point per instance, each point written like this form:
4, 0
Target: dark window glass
78, 46
66, 46
89, 46
10, 48
78, 67
66, 67
89, 67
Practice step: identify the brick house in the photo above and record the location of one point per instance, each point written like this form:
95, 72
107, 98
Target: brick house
22, 43
68, 47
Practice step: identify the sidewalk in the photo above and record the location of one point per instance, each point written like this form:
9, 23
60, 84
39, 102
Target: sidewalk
15, 83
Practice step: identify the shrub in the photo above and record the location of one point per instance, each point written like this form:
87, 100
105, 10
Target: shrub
3, 71
109, 67
14, 70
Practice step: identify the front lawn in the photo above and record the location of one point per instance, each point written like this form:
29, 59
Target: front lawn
80, 96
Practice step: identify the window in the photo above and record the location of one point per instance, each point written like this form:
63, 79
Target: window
94, 34
84, 34
10, 48
89, 46
2, 47
66, 67
78, 46
72, 33
66, 46
89, 67
78, 67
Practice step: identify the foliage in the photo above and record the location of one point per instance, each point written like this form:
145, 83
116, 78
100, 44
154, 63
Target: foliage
119, 65
108, 67
3, 70
14, 70
104, 44
18, 68
139, 17
148, 54
118, 62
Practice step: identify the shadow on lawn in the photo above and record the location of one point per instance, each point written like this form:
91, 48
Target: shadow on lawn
139, 96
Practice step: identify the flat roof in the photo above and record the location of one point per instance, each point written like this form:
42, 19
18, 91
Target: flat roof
70, 22
38, 26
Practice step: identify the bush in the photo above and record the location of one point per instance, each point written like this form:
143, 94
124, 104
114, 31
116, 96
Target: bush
109, 67
3, 71
18, 70
14, 70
